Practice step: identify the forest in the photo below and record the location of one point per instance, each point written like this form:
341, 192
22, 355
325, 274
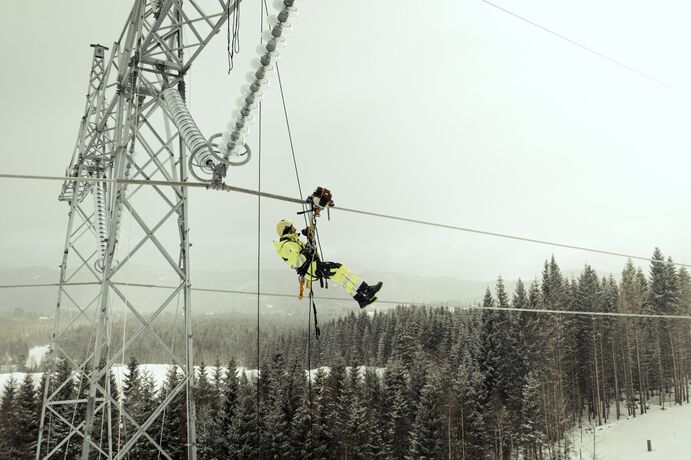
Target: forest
415, 381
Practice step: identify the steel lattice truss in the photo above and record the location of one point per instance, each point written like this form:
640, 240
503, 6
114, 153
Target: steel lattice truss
126, 132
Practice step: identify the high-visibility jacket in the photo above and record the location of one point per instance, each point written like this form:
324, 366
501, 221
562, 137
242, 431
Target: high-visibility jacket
289, 248
292, 250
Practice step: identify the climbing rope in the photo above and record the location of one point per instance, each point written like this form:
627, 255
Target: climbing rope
259, 231
312, 306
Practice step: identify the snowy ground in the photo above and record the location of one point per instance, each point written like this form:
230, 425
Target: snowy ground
36, 355
669, 431
18, 377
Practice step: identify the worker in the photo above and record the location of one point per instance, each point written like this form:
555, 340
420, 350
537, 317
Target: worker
302, 257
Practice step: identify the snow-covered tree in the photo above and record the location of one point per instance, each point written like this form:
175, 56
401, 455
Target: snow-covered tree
427, 433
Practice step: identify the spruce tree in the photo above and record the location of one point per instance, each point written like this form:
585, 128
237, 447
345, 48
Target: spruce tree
336, 406
322, 432
273, 425
427, 435
371, 427
171, 426
532, 434
292, 390
661, 300
488, 366
57, 428
395, 416
356, 421
301, 430
417, 375
227, 415
243, 433
205, 401
8, 414
138, 403
217, 383
509, 369
39, 403
26, 419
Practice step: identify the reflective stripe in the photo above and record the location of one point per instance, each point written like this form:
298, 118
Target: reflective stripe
346, 279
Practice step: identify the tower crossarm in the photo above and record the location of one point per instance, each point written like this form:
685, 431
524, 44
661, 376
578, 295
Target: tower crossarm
145, 62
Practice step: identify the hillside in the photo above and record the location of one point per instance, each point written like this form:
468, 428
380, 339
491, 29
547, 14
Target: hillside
397, 287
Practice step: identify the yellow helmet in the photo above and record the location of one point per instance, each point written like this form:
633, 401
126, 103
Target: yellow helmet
282, 225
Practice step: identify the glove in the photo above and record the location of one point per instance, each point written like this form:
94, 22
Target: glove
308, 251
308, 232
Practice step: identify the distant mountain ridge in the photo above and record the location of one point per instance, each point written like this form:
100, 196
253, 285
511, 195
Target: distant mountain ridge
398, 287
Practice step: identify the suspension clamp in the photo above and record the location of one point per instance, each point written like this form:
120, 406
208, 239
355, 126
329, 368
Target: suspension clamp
220, 171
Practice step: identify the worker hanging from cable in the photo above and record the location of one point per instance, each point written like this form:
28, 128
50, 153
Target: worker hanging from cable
304, 258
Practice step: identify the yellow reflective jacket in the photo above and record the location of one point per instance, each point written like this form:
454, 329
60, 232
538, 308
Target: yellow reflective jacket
289, 248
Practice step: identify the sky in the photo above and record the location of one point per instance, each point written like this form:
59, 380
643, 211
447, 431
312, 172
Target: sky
449, 111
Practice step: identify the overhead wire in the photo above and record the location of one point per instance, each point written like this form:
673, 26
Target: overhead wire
589, 49
417, 302
273, 196
10, 286
472, 307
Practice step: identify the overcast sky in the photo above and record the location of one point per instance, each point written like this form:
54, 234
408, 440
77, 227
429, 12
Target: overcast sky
447, 110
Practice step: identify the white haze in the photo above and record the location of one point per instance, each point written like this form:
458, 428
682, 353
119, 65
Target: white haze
447, 111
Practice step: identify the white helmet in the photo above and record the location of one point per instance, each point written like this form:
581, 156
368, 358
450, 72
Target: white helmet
282, 226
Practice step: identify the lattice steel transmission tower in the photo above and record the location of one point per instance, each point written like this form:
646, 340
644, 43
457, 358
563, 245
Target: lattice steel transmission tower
134, 126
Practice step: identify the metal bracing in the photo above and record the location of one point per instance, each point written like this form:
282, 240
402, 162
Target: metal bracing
126, 132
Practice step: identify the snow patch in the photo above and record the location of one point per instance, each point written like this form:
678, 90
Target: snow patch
158, 373
625, 439
19, 378
360, 370
36, 355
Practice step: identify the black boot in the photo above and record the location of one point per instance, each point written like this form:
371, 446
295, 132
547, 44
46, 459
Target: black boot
365, 294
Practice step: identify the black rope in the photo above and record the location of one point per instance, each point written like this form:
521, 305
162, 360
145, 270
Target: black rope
309, 366
234, 42
290, 133
317, 331
312, 231
312, 306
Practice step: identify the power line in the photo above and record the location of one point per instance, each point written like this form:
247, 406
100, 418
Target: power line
10, 286
387, 302
471, 307
590, 50
503, 235
405, 302
230, 188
